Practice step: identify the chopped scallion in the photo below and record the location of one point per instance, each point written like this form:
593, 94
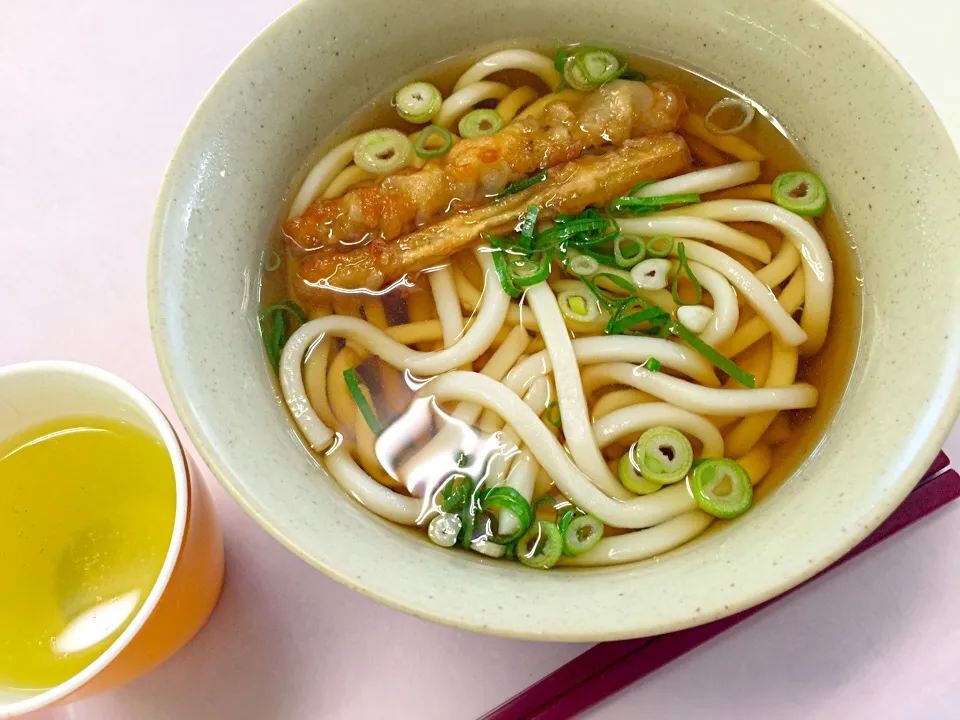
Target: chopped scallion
629, 205
353, 385
722, 488
581, 534
382, 151
424, 137
552, 414
800, 192
713, 355
685, 268
275, 328
628, 250
541, 546
663, 455
660, 246
508, 499
477, 123
521, 185
418, 102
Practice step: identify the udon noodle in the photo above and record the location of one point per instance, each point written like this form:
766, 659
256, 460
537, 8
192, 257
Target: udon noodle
556, 314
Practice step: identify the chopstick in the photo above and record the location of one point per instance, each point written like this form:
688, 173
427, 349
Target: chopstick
609, 667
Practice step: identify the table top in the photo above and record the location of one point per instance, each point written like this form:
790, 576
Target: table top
93, 98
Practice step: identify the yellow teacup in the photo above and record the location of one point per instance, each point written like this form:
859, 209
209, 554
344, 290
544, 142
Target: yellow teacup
179, 601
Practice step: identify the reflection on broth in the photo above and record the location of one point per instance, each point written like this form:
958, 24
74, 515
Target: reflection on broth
560, 308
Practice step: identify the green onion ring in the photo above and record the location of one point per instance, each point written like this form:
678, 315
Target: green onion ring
630, 477
552, 414
510, 500
382, 151
709, 476
273, 261
418, 102
660, 246
420, 146
685, 268
663, 455
581, 534
541, 546
800, 192
628, 261
478, 123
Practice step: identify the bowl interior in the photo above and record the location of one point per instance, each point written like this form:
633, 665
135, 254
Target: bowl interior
861, 122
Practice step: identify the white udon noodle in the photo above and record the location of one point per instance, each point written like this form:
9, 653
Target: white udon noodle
668, 517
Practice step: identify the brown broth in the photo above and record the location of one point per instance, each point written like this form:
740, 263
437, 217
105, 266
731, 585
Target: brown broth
828, 370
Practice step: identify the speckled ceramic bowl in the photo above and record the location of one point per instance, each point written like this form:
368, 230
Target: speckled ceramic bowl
894, 178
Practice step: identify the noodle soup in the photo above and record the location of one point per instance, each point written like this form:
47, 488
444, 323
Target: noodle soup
560, 307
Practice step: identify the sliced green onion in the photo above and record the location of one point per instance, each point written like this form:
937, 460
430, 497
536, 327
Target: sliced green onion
744, 110
663, 455
541, 546
424, 136
521, 185
600, 257
568, 230
382, 151
592, 67
456, 492
642, 184
510, 500
620, 282
581, 534
577, 306
468, 519
477, 123
527, 271
353, 385
722, 488
560, 59
463, 459
545, 499
630, 476
660, 246
685, 268
713, 355
418, 102
583, 265
568, 516
552, 414
503, 273
619, 324
528, 228
273, 261
800, 192
652, 364
628, 250
646, 205
275, 328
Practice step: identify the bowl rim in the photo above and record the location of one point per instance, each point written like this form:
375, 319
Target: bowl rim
871, 518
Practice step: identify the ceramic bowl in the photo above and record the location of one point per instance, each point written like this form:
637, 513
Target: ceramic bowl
863, 124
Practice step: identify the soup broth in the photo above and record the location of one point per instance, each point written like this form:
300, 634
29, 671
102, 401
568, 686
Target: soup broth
596, 374
85, 522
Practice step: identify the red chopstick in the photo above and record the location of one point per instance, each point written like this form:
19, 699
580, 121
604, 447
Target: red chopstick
609, 667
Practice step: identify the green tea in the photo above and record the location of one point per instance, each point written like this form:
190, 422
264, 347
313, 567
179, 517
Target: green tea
86, 516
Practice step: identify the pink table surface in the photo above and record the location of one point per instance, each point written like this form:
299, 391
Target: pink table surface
93, 97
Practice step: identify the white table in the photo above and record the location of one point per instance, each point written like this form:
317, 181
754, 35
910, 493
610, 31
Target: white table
93, 97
